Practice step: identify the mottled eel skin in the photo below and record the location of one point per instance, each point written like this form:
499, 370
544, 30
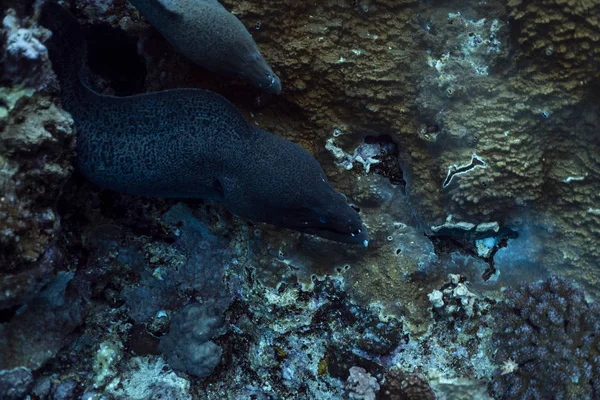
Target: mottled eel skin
208, 34
192, 143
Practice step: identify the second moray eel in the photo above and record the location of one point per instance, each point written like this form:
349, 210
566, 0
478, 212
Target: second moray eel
192, 143
208, 34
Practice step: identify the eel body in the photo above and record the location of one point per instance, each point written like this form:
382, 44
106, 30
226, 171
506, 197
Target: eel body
192, 143
208, 34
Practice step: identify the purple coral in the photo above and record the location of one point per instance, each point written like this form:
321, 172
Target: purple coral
361, 385
547, 343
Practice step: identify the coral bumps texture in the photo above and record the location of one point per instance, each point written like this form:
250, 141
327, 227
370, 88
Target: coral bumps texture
36, 145
549, 333
464, 133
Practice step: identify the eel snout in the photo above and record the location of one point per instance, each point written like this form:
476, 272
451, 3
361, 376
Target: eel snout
259, 73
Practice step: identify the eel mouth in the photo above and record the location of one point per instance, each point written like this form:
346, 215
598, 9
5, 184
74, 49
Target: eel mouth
274, 86
356, 237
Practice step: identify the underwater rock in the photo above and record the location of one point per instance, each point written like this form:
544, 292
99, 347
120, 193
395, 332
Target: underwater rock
15, 383
167, 284
42, 327
36, 147
188, 346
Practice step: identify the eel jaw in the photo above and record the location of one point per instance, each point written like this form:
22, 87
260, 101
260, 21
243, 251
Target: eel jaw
355, 238
275, 85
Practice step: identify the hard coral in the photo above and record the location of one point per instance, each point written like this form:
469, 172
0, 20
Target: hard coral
361, 385
36, 147
403, 386
563, 36
549, 330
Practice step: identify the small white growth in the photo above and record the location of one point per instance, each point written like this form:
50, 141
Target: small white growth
449, 224
461, 292
488, 227
24, 54
108, 355
366, 163
147, 379
453, 16
336, 151
456, 170
495, 27
24, 44
508, 367
436, 298
364, 154
574, 178
286, 298
337, 132
480, 69
485, 246
361, 385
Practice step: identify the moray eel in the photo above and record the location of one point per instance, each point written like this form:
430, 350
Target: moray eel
192, 143
208, 34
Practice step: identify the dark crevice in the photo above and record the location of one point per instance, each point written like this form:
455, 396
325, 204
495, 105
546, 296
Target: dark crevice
502, 242
6, 314
112, 54
445, 244
389, 164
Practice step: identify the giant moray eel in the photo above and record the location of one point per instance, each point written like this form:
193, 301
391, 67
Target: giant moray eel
192, 143
208, 34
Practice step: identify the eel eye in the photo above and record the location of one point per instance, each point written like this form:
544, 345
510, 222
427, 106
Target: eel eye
323, 220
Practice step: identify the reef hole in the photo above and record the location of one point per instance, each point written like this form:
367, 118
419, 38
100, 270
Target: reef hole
112, 54
388, 165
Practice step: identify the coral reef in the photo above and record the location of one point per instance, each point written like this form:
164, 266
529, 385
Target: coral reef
361, 385
400, 386
148, 379
546, 342
561, 38
464, 132
36, 147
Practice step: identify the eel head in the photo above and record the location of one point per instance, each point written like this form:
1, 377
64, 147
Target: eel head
257, 72
289, 189
334, 221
